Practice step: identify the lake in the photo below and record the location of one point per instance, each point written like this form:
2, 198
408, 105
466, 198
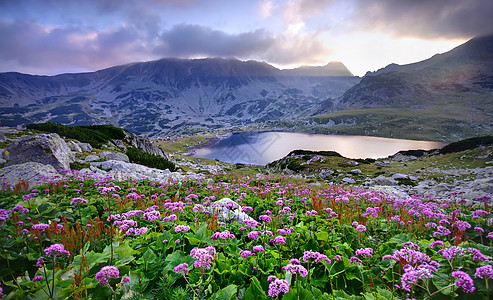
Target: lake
261, 148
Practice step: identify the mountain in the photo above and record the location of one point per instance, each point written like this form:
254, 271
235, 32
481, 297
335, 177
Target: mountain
172, 94
334, 68
449, 94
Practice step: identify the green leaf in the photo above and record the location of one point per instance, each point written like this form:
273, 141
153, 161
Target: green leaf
306, 295
255, 291
322, 236
227, 293
441, 281
402, 238
150, 257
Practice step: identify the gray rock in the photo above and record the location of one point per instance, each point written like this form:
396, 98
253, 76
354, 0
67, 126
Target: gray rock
325, 173
356, 171
74, 147
48, 149
397, 176
348, 180
120, 144
382, 164
115, 156
228, 210
91, 157
85, 147
31, 172
144, 144
383, 180
352, 163
2, 138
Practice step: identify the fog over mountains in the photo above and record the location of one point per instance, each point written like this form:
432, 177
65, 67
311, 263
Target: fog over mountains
170, 95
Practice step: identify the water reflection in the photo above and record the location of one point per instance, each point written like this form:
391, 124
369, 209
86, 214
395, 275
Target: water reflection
260, 148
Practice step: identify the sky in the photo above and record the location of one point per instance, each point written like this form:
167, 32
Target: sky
49, 37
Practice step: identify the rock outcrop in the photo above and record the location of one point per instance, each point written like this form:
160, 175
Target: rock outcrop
228, 210
30, 172
47, 149
143, 143
108, 155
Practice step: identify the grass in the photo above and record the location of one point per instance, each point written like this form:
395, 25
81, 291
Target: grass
183, 143
432, 124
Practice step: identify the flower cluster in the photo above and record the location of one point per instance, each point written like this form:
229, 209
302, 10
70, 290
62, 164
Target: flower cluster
40, 226
484, 271
364, 252
106, 273
182, 228
78, 200
204, 257
277, 286
464, 281
296, 269
181, 268
312, 213
246, 253
20, 209
412, 275
279, 240
310, 254
55, 249
452, 252
223, 235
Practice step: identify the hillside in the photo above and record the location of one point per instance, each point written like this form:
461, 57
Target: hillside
450, 94
171, 94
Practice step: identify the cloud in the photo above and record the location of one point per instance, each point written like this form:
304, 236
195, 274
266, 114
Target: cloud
195, 40
426, 19
34, 48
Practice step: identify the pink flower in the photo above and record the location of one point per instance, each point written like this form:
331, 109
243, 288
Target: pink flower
106, 273
181, 268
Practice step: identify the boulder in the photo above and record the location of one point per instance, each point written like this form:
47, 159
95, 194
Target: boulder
325, 173
85, 147
115, 156
74, 147
228, 210
91, 157
31, 172
383, 180
144, 144
356, 171
120, 144
348, 180
47, 149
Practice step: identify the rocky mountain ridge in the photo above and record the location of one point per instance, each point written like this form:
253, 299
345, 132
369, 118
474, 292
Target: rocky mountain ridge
171, 94
447, 97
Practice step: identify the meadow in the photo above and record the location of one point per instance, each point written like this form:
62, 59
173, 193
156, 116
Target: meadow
84, 237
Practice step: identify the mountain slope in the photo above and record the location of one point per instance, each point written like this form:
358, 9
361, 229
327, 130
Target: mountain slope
453, 89
168, 95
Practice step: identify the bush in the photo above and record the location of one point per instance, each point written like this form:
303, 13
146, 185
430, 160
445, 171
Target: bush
138, 156
467, 144
96, 135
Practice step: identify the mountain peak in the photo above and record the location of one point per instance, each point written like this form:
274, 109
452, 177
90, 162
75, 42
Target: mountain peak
333, 68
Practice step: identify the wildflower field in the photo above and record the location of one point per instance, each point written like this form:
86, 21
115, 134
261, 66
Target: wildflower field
94, 238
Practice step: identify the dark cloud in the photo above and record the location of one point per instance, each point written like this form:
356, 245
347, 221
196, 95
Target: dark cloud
428, 19
30, 47
195, 40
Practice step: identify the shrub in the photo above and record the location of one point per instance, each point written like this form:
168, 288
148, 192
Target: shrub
138, 156
467, 144
96, 135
